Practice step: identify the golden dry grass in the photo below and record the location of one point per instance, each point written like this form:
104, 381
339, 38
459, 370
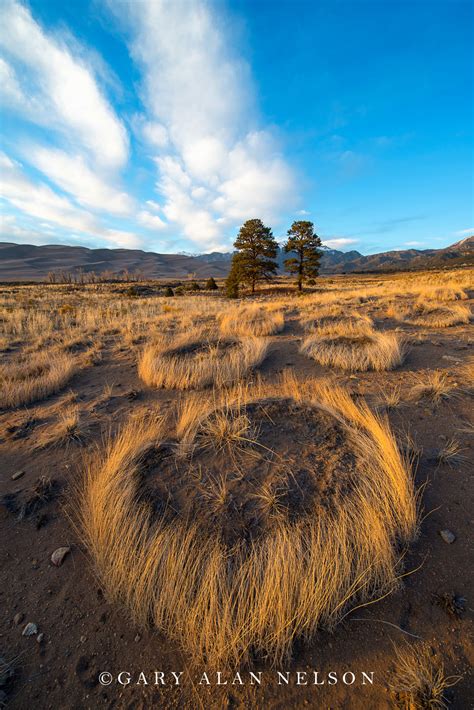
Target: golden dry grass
70, 427
419, 681
253, 320
326, 318
465, 376
451, 453
391, 396
35, 378
435, 386
430, 314
197, 359
220, 603
442, 293
354, 347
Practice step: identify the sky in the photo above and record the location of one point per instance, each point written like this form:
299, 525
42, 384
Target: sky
164, 124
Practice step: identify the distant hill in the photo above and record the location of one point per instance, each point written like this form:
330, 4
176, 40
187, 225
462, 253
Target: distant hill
459, 254
25, 262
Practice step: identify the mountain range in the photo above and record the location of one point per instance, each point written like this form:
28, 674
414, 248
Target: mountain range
25, 262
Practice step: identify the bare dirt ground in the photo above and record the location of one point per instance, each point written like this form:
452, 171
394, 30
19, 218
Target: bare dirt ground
83, 634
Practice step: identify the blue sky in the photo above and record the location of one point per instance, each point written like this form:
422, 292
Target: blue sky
163, 125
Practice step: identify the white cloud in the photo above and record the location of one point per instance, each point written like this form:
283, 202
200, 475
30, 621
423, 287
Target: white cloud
40, 201
152, 205
339, 242
464, 232
414, 244
48, 80
11, 93
258, 182
73, 175
62, 84
155, 133
10, 229
215, 167
150, 221
192, 84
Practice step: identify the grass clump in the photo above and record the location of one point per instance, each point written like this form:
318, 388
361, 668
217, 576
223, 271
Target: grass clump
253, 320
430, 314
70, 427
34, 379
166, 558
419, 681
198, 360
355, 347
435, 386
335, 319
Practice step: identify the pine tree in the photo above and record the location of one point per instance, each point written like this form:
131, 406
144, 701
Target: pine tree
256, 253
305, 244
211, 284
233, 279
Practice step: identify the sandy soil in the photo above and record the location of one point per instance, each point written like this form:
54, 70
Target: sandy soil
85, 635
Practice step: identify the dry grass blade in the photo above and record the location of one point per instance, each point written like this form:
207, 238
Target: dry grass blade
419, 681
451, 453
391, 397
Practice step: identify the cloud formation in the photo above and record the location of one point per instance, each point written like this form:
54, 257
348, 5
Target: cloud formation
38, 200
63, 86
72, 174
215, 167
196, 118
339, 242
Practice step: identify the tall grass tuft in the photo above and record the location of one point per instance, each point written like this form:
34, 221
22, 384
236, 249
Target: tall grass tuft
224, 603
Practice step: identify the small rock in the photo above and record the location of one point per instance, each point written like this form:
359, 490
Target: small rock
83, 639
30, 629
137, 638
18, 618
57, 558
40, 638
447, 536
17, 475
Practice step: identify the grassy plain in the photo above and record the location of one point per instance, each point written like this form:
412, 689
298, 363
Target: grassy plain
260, 483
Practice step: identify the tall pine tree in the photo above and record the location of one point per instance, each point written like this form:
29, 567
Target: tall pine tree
304, 244
256, 251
